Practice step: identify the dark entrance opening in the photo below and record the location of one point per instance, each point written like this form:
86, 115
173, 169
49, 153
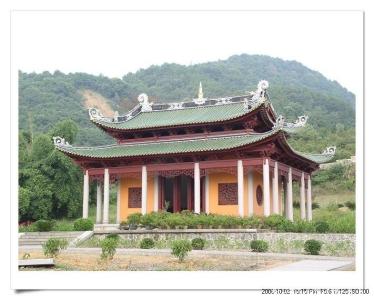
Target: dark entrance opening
168, 194
177, 193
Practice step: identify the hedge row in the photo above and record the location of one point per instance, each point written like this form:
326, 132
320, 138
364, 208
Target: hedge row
187, 219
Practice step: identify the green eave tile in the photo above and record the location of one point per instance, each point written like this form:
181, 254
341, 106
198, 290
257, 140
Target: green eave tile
194, 115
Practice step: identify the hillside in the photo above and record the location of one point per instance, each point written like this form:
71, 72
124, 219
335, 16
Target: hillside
45, 99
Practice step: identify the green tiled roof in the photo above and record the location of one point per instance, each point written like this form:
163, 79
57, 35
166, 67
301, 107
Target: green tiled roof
167, 147
181, 146
317, 158
185, 116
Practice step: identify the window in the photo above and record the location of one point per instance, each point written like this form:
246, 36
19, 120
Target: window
259, 196
135, 197
227, 194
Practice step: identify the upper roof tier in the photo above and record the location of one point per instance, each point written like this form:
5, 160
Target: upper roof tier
201, 110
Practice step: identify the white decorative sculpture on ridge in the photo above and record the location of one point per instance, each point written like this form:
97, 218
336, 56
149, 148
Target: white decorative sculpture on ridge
329, 150
144, 103
59, 141
95, 114
300, 122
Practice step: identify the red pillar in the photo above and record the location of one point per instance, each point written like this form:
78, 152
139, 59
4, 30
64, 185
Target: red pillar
190, 194
161, 184
176, 194
202, 194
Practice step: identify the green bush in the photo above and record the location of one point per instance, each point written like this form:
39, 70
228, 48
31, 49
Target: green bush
198, 243
147, 243
112, 236
83, 225
134, 218
315, 205
286, 226
44, 225
303, 226
350, 204
273, 221
312, 247
180, 249
53, 246
108, 248
259, 245
322, 227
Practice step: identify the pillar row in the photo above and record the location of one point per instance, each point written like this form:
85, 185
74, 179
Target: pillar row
197, 188
275, 189
106, 197
289, 199
99, 203
240, 188
266, 184
309, 200
144, 190
86, 193
302, 196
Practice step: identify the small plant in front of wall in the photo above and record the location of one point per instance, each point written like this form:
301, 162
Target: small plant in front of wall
53, 246
108, 247
180, 249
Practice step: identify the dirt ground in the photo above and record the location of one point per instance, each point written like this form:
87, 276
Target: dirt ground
133, 262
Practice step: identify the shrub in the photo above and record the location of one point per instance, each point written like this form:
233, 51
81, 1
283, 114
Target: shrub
312, 247
147, 243
112, 236
83, 225
53, 246
198, 243
303, 226
134, 218
322, 226
286, 226
296, 204
273, 221
44, 225
108, 248
259, 245
315, 205
350, 204
180, 249
340, 205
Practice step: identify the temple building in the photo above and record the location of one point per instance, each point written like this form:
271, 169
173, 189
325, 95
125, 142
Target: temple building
218, 156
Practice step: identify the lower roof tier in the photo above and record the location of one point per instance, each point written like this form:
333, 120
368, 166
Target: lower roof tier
187, 146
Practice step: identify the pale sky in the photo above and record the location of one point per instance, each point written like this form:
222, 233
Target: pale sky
114, 43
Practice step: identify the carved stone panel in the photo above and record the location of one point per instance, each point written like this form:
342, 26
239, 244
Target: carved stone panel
135, 197
227, 194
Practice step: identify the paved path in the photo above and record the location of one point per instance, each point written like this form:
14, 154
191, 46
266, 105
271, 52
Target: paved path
314, 265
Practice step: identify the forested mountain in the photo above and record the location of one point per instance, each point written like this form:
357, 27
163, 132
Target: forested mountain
45, 99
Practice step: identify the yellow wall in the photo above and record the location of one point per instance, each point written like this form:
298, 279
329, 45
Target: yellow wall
214, 208
214, 180
126, 183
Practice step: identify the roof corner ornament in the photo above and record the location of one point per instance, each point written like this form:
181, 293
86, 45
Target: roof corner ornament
262, 86
59, 141
279, 122
95, 114
200, 96
329, 150
144, 103
301, 121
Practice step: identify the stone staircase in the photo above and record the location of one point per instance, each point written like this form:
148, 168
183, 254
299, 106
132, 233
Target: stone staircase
38, 238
